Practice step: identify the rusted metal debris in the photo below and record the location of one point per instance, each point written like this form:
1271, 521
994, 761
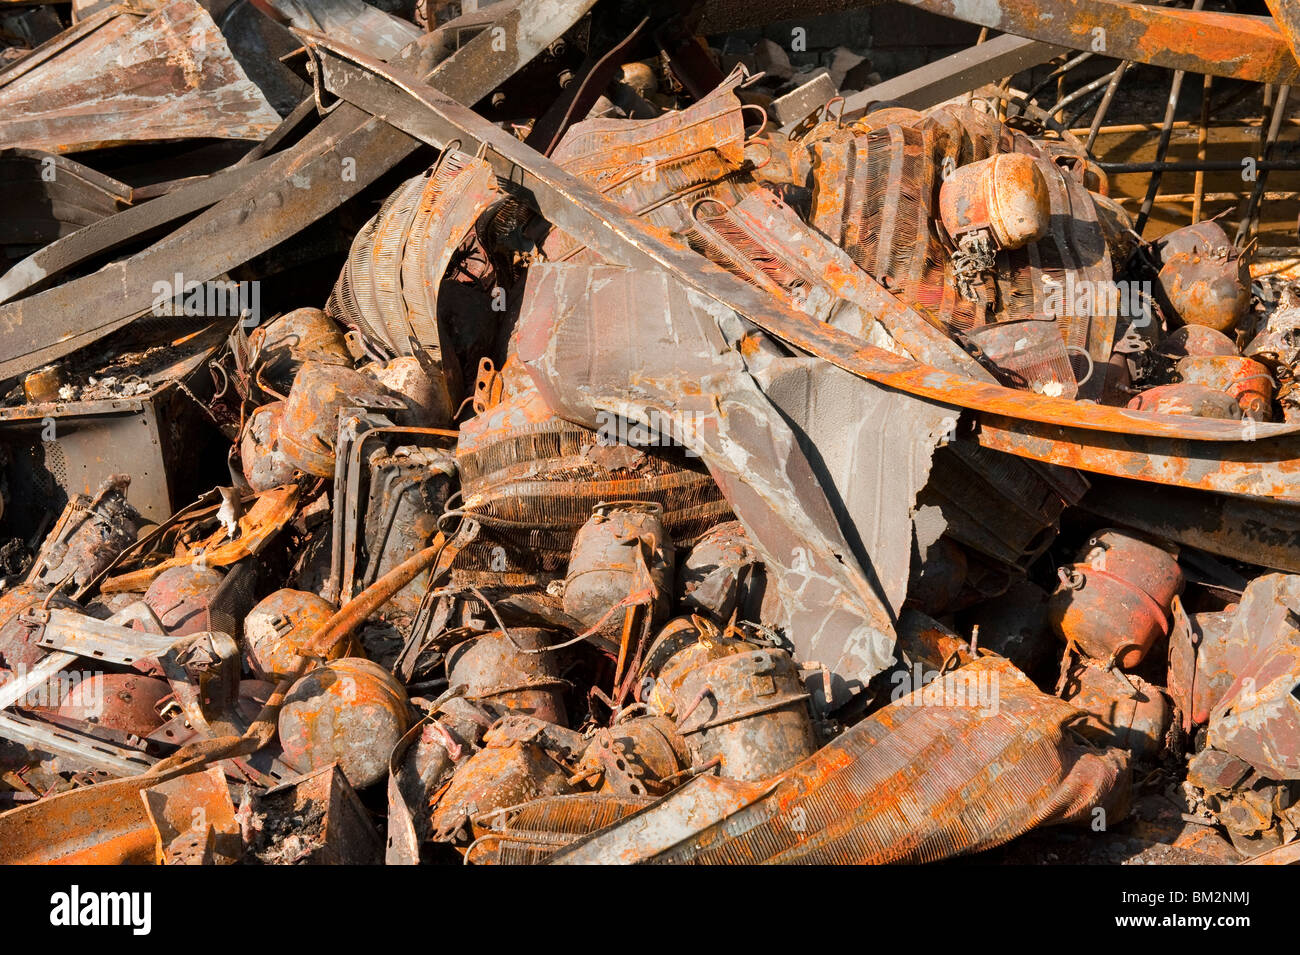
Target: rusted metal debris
561, 438
127, 75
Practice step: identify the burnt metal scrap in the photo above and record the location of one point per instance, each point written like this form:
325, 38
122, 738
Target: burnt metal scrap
578, 432
124, 75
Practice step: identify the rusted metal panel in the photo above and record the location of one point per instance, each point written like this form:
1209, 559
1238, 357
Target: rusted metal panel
1287, 17
167, 75
1265, 468
1260, 530
1258, 717
105, 824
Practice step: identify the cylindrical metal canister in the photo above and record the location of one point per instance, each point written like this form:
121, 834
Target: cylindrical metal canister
1204, 236
182, 598
350, 711
1185, 398
603, 564
746, 712
310, 422
1005, 194
508, 773
1124, 711
127, 702
1196, 340
1115, 601
18, 646
722, 574
507, 670
264, 464
426, 398
1206, 288
283, 344
1244, 379
280, 624
633, 758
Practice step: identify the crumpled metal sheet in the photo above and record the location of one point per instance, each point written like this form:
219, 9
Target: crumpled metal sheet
659, 168
603, 340
389, 287
933, 775
764, 241
296, 187
118, 77
1258, 718
871, 449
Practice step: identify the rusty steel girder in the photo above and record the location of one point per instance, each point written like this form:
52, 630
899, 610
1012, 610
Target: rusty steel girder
1218, 44
1287, 16
1248, 459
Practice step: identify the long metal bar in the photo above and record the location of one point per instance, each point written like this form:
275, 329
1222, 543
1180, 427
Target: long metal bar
14, 690
1222, 44
77, 748
49, 262
1202, 140
1116, 440
953, 75
1209, 165
72, 632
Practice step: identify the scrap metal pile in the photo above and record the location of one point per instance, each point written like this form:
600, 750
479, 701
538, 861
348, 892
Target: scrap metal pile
565, 432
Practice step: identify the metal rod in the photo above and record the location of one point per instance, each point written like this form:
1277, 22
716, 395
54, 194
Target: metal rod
1171, 198
1162, 148
1202, 138
1106, 100
1083, 91
1249, 221
1209, 165
1088, 102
